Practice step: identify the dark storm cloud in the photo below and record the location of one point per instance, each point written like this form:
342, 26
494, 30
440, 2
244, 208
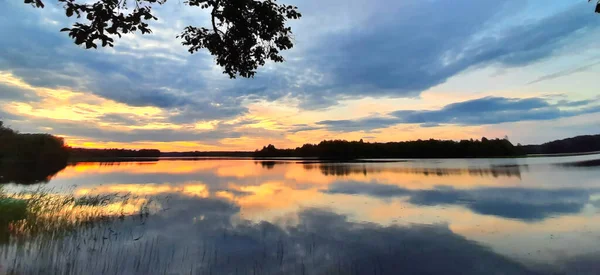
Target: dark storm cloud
515, 203
487, 110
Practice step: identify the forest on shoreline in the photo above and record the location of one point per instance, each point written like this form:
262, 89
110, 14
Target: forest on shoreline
30, 158
432, 148
54, 154
578, 144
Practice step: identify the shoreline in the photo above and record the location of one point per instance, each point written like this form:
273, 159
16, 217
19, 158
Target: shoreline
305, 159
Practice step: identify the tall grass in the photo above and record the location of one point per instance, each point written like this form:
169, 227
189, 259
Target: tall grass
41, 212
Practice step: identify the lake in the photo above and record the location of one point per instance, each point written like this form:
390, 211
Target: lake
223, 216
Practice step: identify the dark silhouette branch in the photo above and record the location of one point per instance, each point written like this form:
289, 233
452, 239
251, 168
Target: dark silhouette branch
212, 15
237, 40
597, 6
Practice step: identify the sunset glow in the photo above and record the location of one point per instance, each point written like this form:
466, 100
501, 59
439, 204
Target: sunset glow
337, 83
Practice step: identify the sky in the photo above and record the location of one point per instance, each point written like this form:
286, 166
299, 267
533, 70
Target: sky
379, 71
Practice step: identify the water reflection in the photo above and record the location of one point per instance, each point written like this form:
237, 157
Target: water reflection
583, 163
28, 172
517, 203
203, 236
269, 164
493, 171
279, 217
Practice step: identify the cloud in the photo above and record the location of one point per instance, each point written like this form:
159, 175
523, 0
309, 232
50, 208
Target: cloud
487, 110
123, 119
515, 203
9, 118
12, 93
365, 124
208, 111
43, 57
302, 128
408, 47
343, 50
565, 73
391, 49
99, 133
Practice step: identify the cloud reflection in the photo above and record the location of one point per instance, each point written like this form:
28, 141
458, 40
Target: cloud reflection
189, 189
206, 236
515, 203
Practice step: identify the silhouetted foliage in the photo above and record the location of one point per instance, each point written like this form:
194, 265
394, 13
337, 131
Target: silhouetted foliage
584, 163
344, 169
243, 35
269, 164
18, 147
103, 154
579, 144
341, 149
207, 154
29, 172
30, 158
597, 6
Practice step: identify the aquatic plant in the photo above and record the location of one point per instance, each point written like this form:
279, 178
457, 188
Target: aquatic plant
34, 213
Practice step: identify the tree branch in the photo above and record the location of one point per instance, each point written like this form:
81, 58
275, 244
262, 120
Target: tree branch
217, 31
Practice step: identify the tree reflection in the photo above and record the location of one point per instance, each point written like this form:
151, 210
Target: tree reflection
28, 172
269, 164
203, 236
341, 169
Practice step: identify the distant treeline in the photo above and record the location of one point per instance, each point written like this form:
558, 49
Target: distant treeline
579, 144
341, 149
84, 154
102, 154
208, 154
30, 158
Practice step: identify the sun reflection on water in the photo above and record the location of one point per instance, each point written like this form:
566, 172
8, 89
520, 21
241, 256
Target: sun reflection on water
511, 208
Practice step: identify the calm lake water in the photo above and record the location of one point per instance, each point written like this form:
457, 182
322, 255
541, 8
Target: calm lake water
455, 216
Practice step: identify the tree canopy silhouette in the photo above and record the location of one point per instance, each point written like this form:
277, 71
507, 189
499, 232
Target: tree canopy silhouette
242, 36
30, 158
578, 144
597, 6
432, 148
86, 154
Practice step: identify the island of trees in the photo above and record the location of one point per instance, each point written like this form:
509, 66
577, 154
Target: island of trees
432, 148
